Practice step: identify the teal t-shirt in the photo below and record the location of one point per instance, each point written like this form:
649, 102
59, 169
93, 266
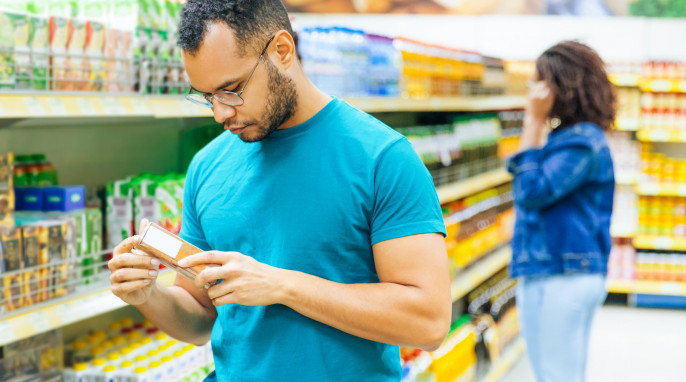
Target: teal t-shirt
313, 198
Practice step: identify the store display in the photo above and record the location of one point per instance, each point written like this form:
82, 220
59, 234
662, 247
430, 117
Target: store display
625, 212
34, 170
626, 155
37, 358
512, 123
136, 352
622, 262
657, 167
7, 197
660, 265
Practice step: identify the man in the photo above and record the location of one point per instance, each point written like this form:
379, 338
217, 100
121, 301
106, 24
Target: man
324, 222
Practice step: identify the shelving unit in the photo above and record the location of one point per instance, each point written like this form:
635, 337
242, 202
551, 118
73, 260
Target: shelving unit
41, 105
58, 313
507, 360
479, 272
627, 124
660, 243
459, 190
661, 136
661, 189
663, 86
665, 288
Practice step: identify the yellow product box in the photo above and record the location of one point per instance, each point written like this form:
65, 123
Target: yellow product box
10, 240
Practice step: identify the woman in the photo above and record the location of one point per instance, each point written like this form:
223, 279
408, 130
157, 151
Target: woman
563, 192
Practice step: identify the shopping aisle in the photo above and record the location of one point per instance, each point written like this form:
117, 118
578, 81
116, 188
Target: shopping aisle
630, 344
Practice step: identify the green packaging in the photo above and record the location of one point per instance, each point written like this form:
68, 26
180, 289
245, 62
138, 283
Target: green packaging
169, 196
119, 212
144, 202
40, 47
7, 73
22, 49
93, 245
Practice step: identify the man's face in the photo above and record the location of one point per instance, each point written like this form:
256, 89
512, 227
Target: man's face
269, 97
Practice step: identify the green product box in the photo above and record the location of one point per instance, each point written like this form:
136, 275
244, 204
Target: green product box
93, 237
22, 49
40, 48
7, 72
144, 203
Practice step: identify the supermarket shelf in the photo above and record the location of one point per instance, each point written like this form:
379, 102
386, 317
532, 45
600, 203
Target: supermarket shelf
480, 103
480, 272
660, 243
627, 124
625, 80
661, 189
507, 360
663, 86
42, 105
666, 288
661, 136
459, 190
57, 314
616, 232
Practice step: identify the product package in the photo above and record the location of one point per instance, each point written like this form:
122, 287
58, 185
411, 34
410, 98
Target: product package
144, 203
40, 48
119, 212
7, 198
95, 45
169, 249
7, 73
35, 245
169, 195
64, 199
77, 64
30, 198
60, 34
22, 50
11, 241
60, 249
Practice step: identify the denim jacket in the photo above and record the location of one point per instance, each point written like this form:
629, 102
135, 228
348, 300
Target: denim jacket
563, 195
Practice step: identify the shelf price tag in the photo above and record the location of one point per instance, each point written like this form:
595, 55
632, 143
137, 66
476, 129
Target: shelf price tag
56, 106
86, 106
650, 189
7, 334
663, 243
35, 106
671, 288
112, 106
39, 321
660, 86
659, 136
140, 106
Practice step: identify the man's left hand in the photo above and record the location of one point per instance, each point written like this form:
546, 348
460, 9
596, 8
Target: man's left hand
242, 279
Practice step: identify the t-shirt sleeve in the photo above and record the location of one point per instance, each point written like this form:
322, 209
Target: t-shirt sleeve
405, 200
191, 230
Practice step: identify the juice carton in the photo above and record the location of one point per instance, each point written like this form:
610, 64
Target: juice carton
40, 47
7, 73
94, 239
119, 212
65, 198
112, 65
10, 238
95, 46
144, 203
22, 49
7, 197
60, 35
77, 65
124, 14
168, 204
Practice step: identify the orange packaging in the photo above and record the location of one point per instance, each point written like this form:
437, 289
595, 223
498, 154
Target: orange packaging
169, 249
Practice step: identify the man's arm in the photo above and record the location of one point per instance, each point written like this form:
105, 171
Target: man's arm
182, 310
410, 306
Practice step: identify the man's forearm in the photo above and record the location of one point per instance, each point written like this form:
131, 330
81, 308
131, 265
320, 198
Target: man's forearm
382, 312
177, 313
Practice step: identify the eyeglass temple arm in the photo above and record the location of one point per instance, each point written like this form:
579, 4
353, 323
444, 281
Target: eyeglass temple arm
256, 65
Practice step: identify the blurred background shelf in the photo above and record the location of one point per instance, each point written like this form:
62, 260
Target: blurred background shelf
479, 272
459, 190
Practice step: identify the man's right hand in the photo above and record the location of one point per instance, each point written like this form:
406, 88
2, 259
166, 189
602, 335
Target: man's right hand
133, 275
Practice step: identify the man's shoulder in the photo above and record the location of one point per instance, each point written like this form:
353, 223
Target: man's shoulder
365, 128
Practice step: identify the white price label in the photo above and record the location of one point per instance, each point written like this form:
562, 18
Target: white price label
140, 106
7, 334
189, 108
682, 86
35, 106
661, 86
86, 106
39, 321
681, 190
112, 106
650, 189
670, 288
65, 312
56, 106
663, 243
659, 136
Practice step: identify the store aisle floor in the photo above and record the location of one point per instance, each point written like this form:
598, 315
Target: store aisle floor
630, 345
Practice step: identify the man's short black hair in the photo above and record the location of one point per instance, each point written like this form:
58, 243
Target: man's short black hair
252, 21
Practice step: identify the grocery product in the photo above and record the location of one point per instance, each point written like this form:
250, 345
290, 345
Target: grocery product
119, 212
7, 198
60, 35
13, 263
35, 260
38, 358
622, 262
169, 249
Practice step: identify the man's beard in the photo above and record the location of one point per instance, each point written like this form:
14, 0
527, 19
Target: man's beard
281, 103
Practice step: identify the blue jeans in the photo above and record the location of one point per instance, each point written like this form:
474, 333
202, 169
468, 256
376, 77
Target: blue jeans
555, 316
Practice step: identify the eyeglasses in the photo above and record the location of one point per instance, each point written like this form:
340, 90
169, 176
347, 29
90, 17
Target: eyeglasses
225, 97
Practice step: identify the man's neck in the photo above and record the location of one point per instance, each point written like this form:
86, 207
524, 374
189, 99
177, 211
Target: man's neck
310, 101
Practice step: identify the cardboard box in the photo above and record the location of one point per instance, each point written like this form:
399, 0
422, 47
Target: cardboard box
7, 198
119, 212
64, 199
60, 35
94, 241
22, 50
95, 46
30, 198
60, 271
11, 240
77, 65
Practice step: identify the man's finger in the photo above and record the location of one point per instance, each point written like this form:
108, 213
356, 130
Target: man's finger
226, 299
205, 258
128, 287
127, 245
210, 276
144, 224
132, 274
128, 260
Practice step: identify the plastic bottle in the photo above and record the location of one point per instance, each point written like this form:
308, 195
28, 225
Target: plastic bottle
119, 342
110, 374
127, 353
140, 360
141, 374
127, 371
79, 373
113, 357
169, 368
134, 336
100, 334
77, 353
95, 372
181, 363
115, 329
153, 355
156, 372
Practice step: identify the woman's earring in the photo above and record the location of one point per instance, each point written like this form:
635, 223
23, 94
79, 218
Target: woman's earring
555, 123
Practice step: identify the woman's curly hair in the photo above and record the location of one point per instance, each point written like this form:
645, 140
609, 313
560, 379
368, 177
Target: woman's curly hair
577, 78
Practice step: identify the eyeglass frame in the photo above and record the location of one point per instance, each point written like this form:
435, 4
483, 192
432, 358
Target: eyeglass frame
210, 99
